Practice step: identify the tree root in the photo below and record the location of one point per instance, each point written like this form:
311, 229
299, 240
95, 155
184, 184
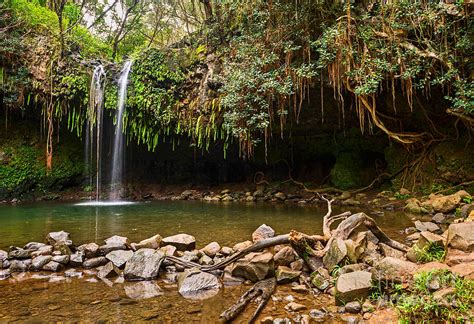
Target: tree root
263, 288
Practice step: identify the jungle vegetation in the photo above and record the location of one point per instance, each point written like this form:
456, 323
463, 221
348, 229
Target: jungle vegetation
242, 72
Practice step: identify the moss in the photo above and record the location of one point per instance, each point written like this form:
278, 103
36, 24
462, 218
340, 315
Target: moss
346, 172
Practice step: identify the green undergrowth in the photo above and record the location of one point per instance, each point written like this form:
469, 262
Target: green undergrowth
436, 296
430, 252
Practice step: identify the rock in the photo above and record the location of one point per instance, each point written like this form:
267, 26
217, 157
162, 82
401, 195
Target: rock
197, 284
392, 269
281, 321
443, 294
353, 307
351, 202
413, 237
298, 265
230, 280
90, 250
267, 320
43, 250
413, 205
263, 232
109, 270
353, 286
72, 273
4, 274
285, 256
149, 243
295, 307
355, 248
142, 290
53, 266
20, 265
367, 307
454, 257
143, 265
33, 246
95, 262
427, 226
430, 266
430, 238
3, 255
63, 259
317, 314
336, 253
353, 267
225, 250
38, 262
114, 243
445, 204
302, 289
58, 237
404, 192
182, 242
320, 279
461, 236
286, 275
19, 254
205, 260
119, 257
242, 246
61, 248
254, 266
345, 195
466, 210
76, 259
389, 251
464, 270
280, 196
4, 264
439, 218
211, 249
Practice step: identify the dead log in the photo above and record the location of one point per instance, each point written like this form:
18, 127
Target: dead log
263, 289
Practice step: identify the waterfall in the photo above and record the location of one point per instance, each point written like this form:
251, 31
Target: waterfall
94, 127
118, 148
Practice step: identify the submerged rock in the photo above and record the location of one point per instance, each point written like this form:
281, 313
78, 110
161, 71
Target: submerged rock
143, 265
263, 232
182, 242
119, 257
353, 286
197, 284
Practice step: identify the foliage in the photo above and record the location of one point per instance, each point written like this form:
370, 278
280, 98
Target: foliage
430, 252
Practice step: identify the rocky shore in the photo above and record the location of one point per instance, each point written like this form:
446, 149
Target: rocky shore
361, 274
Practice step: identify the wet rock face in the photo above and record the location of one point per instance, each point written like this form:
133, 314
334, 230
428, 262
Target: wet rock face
182, 242
254, 266
58, 237
353, 286
392, 269
143, 265
119, 257
461, 236
263, 232
197, 284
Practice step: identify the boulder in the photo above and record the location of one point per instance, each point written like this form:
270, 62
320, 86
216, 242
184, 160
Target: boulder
454, 257
142, 290
53, 266
114, 243
119, 257
263, 232
63, 259
149, 243
254, 266
242, 246
336, 253
427, 226
461, 236
413, 205
392, 269
95, 262
33, 246
20, 254
211, 249
76, 259
353, 307
353, 286
285, 256
464, 270
197, 284
38, 262
182, 242
225, 250
20, 265
389, 251
143, 265
43, 250
355, 248
90, 250
108, 271
57, 237
321, 279
62, 248
445, 204
286, 275
168, 250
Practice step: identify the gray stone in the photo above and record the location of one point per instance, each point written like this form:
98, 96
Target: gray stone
149, 243
285, 256
38, 262
119, 257
19, 254
62, 248
43, 250
63, 259
142, 290
317, 314
353, 286
286, 275
4, 264
205, 260
241, 246
336, 253
20, 265
168, 250
72, 273
108, 271
353, 267
211, 249
143, 265
389, 251
95, 262
254, 266
263, 232
90, 250
320, 279
427, 226
197, 284
53, 266
439, 218
353, 307
182, 242
4, 274
3, 255
394, 270
33, 246
76, 259
225, 250
57, 237
461, 236
295, 307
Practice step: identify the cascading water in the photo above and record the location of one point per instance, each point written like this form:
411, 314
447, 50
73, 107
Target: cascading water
118, 148
94, 127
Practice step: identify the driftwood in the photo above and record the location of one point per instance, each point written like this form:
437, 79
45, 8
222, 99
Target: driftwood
263, 289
